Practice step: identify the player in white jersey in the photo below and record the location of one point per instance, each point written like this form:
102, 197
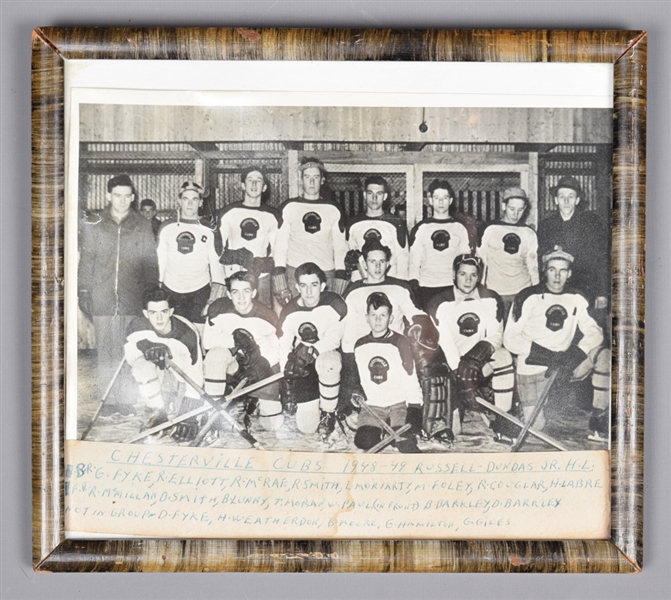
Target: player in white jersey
379, 224
248, 230
188, 262
310, 335
240, 338
469, 318
150, 340
312, 230
435, 243
550, 329
509, 249
386, 368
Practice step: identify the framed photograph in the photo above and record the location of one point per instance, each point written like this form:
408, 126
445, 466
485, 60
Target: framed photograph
329, 300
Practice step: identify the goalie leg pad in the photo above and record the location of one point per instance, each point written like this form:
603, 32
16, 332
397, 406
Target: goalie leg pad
270, 414
218, 362
438, 395
503, 379
307, 416
328, 366
601, 378
280, 285
148, 378
531, 388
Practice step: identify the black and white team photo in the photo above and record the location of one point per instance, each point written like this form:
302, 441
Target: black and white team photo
336, 279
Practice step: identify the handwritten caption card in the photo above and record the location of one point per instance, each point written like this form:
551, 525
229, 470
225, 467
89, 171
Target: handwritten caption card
217, 493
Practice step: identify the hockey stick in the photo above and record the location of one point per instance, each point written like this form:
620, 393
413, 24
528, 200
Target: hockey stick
388, 440
213, 417
502, 413
201, 409
395, 434
537, 410
110, 385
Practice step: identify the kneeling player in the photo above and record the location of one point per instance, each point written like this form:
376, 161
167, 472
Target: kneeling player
386, 368
542, 330
152, 339
311, 330
469, 318
240, 338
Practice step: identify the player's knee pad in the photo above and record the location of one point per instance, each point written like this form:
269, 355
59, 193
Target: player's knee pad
503, 379
270, 414
307, 416
148, 379
601, 378
367, 436
216, 364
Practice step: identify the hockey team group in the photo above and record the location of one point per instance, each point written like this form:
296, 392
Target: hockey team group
355, 324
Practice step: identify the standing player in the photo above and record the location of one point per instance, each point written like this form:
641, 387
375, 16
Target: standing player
375, 223
117, 263
387, 373
248, 231
148, 211
310, 335
435, 242
542, 330
240, 339
187, 257
469, 318
582, 235
312, 230
153, 338
509, 249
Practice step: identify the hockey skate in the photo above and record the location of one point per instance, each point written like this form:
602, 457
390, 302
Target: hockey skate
326, 424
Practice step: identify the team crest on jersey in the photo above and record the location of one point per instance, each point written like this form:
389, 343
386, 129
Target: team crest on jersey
308, 333
468, 324
185, 242
378, 368
555, 316
312, 222
372, 234
249, 228
441, 240
511, 243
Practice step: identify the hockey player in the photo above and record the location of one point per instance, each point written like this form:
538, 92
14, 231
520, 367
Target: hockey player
148, 211
469, 318
240, 339
187, 257
310, 335
153, 338
582, 235
378, 224
550, 329
248, 230
509, 249
312, 230
434, 244
387, 373
117, 264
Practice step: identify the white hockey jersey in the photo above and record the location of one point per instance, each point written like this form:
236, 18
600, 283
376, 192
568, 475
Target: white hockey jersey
187, 256
356, 296
434, 244
390, 231
254, 228
183, 342
321, 326
510, 255
387, 370
260, 322
311, 231
462, 321
550, 320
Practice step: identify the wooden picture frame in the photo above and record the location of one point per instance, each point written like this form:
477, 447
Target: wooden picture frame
626, 50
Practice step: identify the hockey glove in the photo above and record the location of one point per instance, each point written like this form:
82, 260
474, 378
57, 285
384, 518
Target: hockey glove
281, 286
564, 362
340, 282
154, 352
470, 373
352, 262
264, 264
245, 350
241, 256
298, 360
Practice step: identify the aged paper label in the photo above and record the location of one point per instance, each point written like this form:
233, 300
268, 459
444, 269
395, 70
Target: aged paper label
219, 493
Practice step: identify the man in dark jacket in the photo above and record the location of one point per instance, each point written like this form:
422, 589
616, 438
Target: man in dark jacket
117, 263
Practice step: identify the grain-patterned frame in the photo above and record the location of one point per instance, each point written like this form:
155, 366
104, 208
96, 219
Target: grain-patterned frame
627, 50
